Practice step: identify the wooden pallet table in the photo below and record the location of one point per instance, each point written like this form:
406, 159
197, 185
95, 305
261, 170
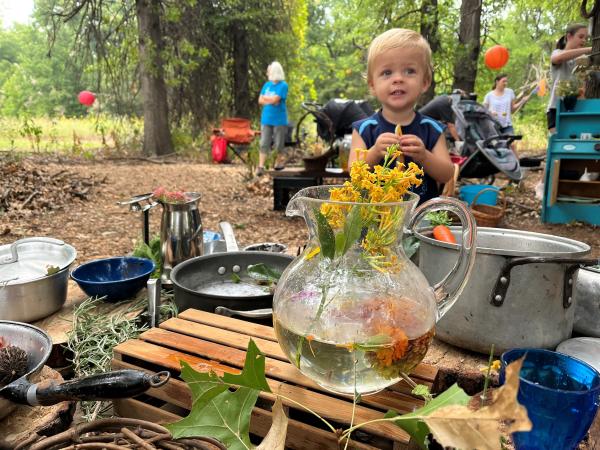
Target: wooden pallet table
207, 341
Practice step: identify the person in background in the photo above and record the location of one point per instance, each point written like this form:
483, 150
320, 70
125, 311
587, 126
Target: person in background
501, 102
399, 71
273, 119
569, 47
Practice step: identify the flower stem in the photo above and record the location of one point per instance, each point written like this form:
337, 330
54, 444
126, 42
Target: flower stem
310, 411
486, 381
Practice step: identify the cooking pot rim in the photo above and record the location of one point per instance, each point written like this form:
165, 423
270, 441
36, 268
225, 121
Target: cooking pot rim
190, 261
19, 282
578, 248
34, 244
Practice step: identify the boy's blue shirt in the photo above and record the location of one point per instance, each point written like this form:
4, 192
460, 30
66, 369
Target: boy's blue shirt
275, 115
426, 128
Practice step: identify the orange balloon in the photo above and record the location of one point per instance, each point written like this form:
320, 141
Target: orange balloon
496, 57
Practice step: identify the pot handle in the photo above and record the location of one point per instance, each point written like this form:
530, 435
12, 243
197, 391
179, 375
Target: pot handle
14, 256
103, 386
229, 237
503, 280
264, 313
450, 287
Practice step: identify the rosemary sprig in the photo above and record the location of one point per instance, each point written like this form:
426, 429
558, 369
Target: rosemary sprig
95, 334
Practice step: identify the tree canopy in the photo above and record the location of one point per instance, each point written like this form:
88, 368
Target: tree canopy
212, 55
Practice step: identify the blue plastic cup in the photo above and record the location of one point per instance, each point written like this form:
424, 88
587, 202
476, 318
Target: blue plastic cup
468, 193
561, 394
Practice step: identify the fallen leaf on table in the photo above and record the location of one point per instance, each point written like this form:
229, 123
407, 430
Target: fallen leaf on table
275, 438
461, 427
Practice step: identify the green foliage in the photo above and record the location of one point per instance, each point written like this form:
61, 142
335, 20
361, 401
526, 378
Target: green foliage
218, 412
322, 45
416, 427
150, 251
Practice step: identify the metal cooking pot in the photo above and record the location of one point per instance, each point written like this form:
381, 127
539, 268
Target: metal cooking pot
587, 302
38, 345
205, 282
27, 292
520, 291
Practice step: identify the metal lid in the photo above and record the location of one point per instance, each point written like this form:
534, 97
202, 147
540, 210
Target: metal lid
502, 241
585, 348
29, 259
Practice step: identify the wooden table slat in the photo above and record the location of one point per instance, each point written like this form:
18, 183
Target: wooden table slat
328, 407
211, 342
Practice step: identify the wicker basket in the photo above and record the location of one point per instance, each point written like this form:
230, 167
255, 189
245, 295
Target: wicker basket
488, 215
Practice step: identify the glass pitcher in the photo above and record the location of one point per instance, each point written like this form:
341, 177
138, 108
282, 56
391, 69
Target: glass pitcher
352, 312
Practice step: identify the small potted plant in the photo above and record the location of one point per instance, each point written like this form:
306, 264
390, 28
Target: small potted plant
569, 90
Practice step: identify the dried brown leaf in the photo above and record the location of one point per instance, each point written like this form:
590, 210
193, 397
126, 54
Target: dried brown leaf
275, 438
461, 427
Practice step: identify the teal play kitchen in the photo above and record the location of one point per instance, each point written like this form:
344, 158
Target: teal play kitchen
570, 193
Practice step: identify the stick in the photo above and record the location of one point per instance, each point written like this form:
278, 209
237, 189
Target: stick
33, 194
136, 439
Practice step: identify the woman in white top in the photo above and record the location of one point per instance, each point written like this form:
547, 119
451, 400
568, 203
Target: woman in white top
568, 47
501, 102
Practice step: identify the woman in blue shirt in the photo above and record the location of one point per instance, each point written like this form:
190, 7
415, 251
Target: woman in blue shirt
273, 119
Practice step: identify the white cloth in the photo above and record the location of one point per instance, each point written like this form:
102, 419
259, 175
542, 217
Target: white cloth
500, 106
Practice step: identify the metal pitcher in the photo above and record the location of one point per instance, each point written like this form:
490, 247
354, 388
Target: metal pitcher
180, 233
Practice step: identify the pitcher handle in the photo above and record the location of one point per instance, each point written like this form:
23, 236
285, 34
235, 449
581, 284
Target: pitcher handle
450, 287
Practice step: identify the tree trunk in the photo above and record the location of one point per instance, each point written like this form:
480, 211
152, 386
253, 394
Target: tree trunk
241, 89
469, 46
429, 30
592, 86
157, 136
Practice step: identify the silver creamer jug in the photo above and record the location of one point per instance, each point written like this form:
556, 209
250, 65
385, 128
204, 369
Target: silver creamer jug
180, 232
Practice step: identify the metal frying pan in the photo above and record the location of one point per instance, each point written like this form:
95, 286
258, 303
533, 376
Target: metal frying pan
205, 282
38, 345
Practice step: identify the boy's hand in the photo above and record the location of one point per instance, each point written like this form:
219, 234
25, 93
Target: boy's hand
412, 146
383, 141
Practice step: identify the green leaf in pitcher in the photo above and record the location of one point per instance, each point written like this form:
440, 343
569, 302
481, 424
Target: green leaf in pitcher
326, 236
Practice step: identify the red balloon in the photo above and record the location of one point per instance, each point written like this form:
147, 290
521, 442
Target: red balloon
496, 57
86, 98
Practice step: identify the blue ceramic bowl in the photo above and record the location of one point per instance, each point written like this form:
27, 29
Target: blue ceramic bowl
116, 278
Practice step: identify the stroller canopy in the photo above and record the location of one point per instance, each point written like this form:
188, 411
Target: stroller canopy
339, 116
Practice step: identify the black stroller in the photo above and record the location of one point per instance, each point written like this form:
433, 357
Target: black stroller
334, 126
485, 151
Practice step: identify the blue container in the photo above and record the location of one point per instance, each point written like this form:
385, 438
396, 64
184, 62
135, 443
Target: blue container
468, 192
561, 394
116, 278
208, 236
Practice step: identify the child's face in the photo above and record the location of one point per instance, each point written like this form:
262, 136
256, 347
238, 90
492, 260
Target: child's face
579, 38
398, 78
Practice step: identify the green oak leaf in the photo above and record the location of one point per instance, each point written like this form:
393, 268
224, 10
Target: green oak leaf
225, 417
262, 272
326, 236
415, 426
253, 373
204, 385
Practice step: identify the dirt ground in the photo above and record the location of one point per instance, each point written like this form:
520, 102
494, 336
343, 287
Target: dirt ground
97, 227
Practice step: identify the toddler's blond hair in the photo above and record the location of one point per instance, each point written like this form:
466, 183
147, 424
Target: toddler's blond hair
399, 38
